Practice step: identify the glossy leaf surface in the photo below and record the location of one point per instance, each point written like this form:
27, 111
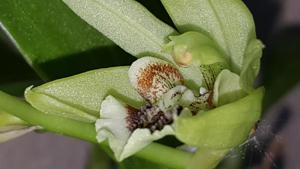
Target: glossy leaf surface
55, 41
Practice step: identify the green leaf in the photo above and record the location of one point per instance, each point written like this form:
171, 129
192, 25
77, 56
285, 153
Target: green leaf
13, 67
228, 22
79, 97
55, 41
227, 88
218, 128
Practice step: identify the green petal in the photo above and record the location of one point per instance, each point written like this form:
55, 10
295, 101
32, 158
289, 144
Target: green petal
227, 88
218, 128
251, 65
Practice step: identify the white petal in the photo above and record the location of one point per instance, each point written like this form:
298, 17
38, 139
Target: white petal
140, 138
112, 125
153, 77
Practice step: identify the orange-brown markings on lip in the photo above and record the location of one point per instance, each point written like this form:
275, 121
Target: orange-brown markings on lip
156, 79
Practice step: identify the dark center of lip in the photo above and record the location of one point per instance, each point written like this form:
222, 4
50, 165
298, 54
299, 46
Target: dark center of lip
149, 116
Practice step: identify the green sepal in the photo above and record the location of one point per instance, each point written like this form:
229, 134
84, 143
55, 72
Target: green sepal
54, 106
218, 128
79, 97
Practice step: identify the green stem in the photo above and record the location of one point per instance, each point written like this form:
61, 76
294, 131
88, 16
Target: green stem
165, 155
157, 153
207, 158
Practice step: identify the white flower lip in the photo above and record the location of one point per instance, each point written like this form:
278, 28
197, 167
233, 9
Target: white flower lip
113, 126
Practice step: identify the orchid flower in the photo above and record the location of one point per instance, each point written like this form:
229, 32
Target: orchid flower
129, 129
195, 82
